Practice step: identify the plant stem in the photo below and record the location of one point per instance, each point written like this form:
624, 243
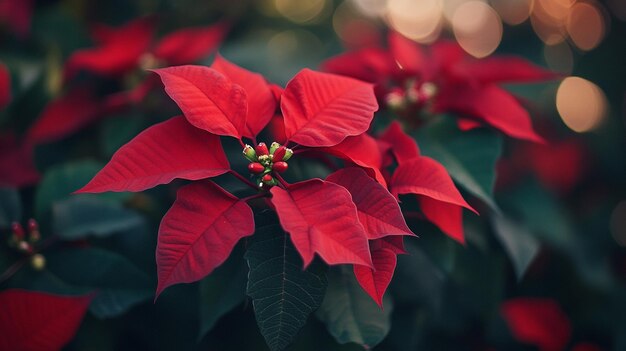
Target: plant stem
244, 180
281, 180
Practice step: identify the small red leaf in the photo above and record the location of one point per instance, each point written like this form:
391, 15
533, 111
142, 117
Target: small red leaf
261, 101
208, 99
494, 106
322, 109
376, 280
446, 216
378, 210
362, 150
505, 69
539, 322
168, 150
36, 321
16, 162
425, 176
117, 54
403, 147
65, 116
190, 44
371, 64
198, 233
321, 218
5, 86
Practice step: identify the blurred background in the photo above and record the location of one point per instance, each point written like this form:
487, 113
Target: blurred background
564, 239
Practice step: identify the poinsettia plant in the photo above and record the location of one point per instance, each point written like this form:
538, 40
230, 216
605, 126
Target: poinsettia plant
348, 218
417, 82
121, 55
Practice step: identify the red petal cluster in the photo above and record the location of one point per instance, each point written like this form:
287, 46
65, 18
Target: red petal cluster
119, 52
323, 113
466, 86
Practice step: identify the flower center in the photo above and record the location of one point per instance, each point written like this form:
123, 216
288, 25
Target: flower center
266, 163
25, 244
414, 95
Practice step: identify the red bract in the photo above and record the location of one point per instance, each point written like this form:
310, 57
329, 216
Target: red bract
17, 15
377, 209
262, 103
382, 219
16, 162
542, 323
32, 321
120, 52
376, 280
412, 80
5, 86
168, 150
323, 109
439, 199
329, 227
123, 49
197, 235
66, 115
325, 115
539, 322
208, 99
559, 166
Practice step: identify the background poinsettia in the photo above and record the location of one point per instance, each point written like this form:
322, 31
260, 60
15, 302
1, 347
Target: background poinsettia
541, 267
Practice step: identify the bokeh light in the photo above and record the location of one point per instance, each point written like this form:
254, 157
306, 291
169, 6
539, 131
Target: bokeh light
585, 25
581, 104
513, 12
301, 11
370, 8
420, 20
353, 28
477, 27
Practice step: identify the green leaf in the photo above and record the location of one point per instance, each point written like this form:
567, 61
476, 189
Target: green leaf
10, 207
118, 130
78, 217
222, 291
349, 314
60, 182
520, 245
283, 294
119, 283
470, 157
541, 212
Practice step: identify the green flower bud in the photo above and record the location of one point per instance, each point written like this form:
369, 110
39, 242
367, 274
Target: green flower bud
288, 154
249, 153
273, 147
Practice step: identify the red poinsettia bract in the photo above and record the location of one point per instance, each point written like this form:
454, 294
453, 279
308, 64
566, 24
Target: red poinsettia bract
541, 322
17, 15
440, 201
36, 321
341, 219
119, 52
5, 86
413, 79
